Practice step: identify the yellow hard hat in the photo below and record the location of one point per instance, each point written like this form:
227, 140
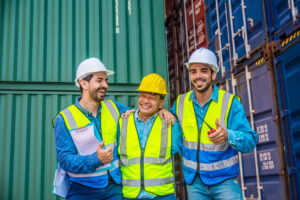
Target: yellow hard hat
153, 83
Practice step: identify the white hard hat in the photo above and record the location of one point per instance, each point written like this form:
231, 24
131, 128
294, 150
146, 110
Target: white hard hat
90, 66
203, 56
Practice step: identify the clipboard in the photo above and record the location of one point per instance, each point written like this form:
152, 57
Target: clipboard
86, 140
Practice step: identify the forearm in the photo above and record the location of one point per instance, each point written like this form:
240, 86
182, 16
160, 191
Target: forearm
67, 154
243, 142
77, 163
241, 137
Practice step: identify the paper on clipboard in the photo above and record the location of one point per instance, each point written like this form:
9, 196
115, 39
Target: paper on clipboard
87, 142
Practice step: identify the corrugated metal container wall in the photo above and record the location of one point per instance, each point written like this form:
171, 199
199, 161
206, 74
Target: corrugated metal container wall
41, 44
28, 156
261, 108
284, 15
236, 27
186, 31
45, 40
287, 64
268, 177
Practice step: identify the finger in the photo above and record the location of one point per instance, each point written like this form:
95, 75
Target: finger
217, 123
161, 114
173, 119
168, 121
123, 115
219, 141
100, 146
109, 149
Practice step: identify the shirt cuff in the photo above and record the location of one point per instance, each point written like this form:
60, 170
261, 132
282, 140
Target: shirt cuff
231, 138
95, 162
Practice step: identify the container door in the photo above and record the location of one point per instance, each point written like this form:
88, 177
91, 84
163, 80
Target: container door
288, 73
269, 148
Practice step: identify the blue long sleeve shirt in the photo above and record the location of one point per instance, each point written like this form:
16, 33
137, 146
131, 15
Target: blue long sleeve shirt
240, 135
66, 150
143, 130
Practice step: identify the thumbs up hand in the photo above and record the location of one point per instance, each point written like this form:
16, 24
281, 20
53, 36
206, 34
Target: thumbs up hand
104, 155
220, 135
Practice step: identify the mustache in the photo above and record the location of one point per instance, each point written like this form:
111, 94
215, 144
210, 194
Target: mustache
103, 88
199, 79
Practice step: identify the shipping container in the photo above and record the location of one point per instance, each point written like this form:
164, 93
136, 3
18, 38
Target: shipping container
235, 29
28, 155
264, 173
273, 114
287, 65
44, 41
283, 15
185, 32
196, 26
41, 44
257, 46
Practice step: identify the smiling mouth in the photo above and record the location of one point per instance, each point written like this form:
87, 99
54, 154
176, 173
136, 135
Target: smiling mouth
145, 106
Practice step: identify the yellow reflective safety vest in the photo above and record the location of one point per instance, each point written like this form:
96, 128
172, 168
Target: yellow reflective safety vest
75, 119
214, 163
151, 168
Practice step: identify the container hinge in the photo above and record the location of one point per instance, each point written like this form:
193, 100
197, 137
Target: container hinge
269, 49
284, 113
292, 171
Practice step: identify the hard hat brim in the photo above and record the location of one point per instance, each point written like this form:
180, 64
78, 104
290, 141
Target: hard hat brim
108, 73
214, 68
162, 93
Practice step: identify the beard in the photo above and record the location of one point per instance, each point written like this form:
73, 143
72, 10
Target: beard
206, 85
95, 96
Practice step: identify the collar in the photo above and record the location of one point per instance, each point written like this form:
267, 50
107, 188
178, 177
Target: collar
214, 96
136, 116
82, 109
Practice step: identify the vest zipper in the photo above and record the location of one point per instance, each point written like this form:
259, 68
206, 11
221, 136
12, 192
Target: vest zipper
142, 169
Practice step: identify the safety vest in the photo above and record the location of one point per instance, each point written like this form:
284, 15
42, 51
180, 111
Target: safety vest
148, 169
215, 163
75, 119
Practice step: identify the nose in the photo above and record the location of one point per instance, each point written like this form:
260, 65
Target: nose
104, 84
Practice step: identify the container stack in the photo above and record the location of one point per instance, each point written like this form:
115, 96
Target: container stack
257, 44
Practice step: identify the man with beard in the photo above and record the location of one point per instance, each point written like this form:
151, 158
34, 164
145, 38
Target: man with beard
88, 168
215, 129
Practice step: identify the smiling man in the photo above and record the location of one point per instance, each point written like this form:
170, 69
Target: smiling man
147, 144
210, 149
92, 167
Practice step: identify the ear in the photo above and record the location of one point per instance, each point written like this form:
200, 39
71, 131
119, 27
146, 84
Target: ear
84, 84
214, 75
161, 103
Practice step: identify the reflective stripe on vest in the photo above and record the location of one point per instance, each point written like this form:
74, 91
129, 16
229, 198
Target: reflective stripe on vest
148, 182
155, 165
116, 164
75, 119
214, 166
224, 103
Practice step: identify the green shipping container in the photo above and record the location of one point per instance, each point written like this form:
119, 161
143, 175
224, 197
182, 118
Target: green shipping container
41, 44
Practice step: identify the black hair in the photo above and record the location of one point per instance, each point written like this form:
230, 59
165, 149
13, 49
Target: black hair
87, 78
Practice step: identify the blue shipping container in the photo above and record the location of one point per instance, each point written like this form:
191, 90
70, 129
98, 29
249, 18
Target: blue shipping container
236, 27
287, 64
269, 148
283, 16
256, 78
